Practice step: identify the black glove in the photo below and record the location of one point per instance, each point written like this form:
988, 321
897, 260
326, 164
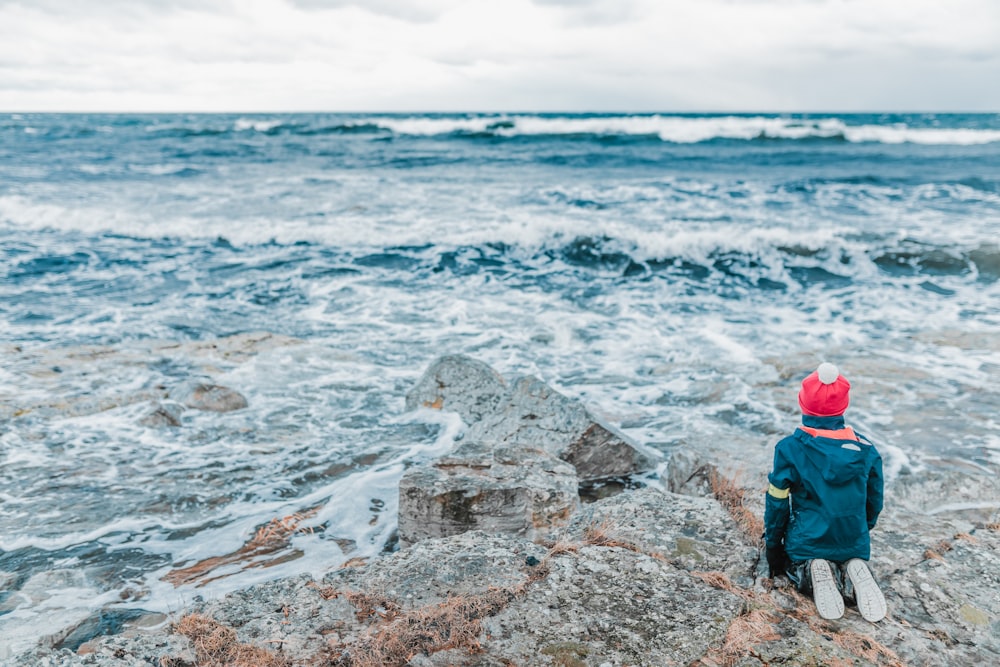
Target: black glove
777, 560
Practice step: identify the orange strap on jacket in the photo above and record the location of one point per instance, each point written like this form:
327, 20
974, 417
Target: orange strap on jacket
846, 433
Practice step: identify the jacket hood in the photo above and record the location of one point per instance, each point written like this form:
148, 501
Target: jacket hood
839, 461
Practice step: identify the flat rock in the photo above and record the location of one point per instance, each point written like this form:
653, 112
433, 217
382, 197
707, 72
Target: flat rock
432, 570
693, 533
608, 605
507, 489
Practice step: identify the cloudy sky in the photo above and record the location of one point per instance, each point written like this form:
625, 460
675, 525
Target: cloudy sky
499, 55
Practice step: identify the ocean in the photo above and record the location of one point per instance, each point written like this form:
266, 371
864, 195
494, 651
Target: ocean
678, 273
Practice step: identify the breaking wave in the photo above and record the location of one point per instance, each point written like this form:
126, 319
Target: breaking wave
941, 129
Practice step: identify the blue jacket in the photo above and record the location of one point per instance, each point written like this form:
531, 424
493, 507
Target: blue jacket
825, 492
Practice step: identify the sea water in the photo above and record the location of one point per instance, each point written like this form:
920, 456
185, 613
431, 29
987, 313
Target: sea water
677, 273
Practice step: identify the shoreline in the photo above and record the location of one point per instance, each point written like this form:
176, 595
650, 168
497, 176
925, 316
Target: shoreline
670, 573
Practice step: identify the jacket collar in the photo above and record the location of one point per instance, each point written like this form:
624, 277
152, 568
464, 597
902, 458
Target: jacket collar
825, 423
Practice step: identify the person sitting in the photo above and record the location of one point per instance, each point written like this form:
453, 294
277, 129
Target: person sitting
824, 498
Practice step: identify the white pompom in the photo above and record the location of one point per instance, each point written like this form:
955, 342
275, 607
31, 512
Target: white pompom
827, 372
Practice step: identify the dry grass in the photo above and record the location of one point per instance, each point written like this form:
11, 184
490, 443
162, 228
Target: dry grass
372, 605
722, 581
937, 551
216, 646
270, 538
752, 627
602, 535
746, 631
455, 623
857, 644
756, 625
730, 496
397, 636
561, 547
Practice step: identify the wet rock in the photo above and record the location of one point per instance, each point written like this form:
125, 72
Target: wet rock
163, 415
536, 415
458, 383
210, 397
508, 489
103, 622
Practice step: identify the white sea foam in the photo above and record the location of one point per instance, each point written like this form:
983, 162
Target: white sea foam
687, 129
257, 125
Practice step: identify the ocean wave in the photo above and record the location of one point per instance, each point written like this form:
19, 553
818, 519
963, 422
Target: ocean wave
678, 129
670, 128
686, 129
760, 260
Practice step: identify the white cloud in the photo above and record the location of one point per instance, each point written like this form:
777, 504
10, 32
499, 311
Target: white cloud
490, 55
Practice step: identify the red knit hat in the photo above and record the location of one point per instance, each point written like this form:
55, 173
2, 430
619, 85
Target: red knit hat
825, 392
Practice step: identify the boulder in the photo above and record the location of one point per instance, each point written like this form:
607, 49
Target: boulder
507, 489
210, 397
458, 383
163, 415
537, 415
528, 413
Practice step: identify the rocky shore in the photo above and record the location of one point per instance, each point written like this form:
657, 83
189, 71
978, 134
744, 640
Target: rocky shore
502, 563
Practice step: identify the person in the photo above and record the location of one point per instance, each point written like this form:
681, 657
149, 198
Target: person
824, 497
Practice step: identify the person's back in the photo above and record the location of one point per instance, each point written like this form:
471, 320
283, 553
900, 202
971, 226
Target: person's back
824, 497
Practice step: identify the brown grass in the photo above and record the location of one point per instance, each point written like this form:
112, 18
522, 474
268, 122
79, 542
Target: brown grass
270, 538
216, 646
730, 496
745, 632
372, 605
397, 636
561, 547
752, 627
602, 535
938, 550
455, 623
859, 645
722, 581
756, 625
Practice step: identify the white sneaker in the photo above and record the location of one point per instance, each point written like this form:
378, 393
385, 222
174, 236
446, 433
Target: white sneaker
871, 602
829, 602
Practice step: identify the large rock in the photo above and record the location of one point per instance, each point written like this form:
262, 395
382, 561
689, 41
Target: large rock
528, 413
210, 397
508, 489
536, 415
459, 384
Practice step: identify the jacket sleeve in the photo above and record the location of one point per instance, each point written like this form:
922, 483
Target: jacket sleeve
873, 505
776, 507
